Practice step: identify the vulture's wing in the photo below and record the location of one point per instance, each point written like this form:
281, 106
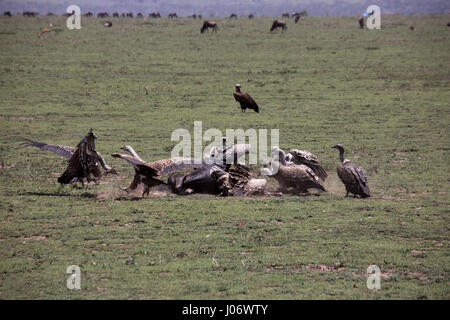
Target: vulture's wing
250, 100
131, 160
64, 151
171, 165
361, 177
310, 160
345, 174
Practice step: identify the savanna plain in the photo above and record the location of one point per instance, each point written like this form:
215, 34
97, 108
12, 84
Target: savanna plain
384, 94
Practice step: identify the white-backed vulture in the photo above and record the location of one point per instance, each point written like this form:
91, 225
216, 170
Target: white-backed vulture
308, 159
352, 176
291, 175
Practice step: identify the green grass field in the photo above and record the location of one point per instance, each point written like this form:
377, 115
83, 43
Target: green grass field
384, 94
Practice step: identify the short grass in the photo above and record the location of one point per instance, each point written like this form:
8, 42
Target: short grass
383, 94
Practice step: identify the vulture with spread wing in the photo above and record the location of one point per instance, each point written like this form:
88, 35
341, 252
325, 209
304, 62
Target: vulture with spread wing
352, 176
244, 99
308, 159
84, 160
291, 175
147, 173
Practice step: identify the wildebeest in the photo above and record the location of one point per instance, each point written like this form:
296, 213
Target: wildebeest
278, 24
412, 28
448, 24
102, 15
30, 14
115, 15
251, 16
130, 15
139, 15
297, 17
233, 16
361, 23
172, 15
285, 15
154, 15
7, 14
88, 14
67, 14
209, 24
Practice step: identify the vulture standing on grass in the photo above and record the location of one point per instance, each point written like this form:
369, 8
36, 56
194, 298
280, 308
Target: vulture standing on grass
244, 99
291, 175
83, 159
353, 177
308, 159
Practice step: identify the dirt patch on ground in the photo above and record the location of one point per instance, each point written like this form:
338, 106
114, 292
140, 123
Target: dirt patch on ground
43, 237
323, 268
20, 118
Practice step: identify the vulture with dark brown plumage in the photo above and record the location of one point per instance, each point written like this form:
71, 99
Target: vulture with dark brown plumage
245, 100
83, 159
353, 177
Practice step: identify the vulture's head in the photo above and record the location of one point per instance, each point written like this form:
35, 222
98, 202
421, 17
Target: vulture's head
338, 146
91, 134
238, 87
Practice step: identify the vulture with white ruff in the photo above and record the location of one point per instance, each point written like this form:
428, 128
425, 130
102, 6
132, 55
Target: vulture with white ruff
291, 175
352, 176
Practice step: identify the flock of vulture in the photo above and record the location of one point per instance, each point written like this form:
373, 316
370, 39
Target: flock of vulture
220, 173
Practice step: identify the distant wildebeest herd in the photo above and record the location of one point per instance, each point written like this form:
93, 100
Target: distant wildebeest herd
209, 24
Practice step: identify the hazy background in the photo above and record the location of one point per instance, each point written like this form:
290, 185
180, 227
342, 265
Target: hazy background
226, 7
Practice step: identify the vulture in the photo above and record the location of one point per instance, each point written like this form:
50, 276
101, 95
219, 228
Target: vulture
146, 173
244, 99
291, 175
209, 24
353, 177
83, 159
308, 159
278, 24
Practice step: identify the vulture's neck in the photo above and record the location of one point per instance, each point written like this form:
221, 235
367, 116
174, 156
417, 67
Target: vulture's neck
341, 155
238, 89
